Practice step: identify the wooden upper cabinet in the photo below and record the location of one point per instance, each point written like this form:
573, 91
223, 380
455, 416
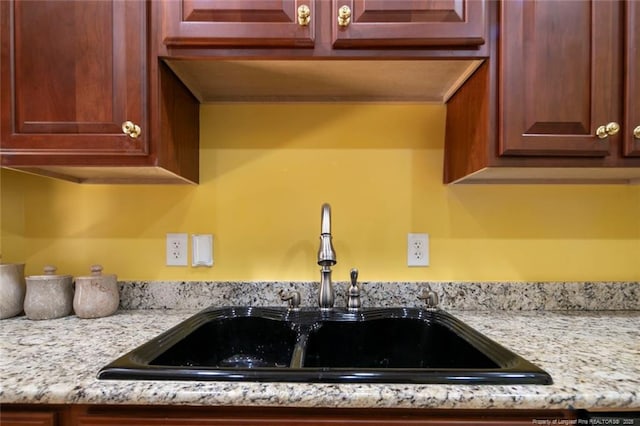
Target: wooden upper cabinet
76, 72
632, 91
560, 72
239, 23
408, 23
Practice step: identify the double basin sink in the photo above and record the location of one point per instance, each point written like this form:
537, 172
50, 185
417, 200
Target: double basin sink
376, 345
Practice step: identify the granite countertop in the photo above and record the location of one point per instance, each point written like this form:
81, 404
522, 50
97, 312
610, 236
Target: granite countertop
593, 357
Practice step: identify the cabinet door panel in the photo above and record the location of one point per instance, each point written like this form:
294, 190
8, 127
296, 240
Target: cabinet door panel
237, 23
405, 23
76, 74
559, 69
26, 418
632, 92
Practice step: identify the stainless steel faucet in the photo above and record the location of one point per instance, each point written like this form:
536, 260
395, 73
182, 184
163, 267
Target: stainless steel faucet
326, 259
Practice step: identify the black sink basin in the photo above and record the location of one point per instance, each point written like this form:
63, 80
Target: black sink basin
244, 341
391, 343
383, 345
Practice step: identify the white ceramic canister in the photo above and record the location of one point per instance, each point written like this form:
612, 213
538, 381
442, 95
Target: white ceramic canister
96, 295
48, 296
12, 289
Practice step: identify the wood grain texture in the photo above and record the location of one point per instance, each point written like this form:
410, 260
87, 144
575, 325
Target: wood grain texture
397, 29
236, 23
559, 77
65, 96
102, 415
467, 128
632, 81
403, 23
72, 73
476, 154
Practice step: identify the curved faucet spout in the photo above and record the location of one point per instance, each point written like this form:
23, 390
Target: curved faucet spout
325, 219
326, 252
326, 259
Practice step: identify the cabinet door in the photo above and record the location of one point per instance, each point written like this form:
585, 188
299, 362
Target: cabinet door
72, 73
405, 23
238, 23
560, 68
632, 92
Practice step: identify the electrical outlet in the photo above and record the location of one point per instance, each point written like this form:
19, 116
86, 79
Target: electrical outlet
417, 249
177, 249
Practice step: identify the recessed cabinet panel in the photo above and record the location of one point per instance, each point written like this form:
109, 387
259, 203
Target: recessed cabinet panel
239, 23
404, 23
76, 73
632, 92
560, 64
28, 418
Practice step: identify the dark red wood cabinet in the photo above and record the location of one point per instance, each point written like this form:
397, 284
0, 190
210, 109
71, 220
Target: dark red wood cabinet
78, 100
334, 23
238, 23
559, 77
405, 23
105, 415
556, 101
631, 129
28, 418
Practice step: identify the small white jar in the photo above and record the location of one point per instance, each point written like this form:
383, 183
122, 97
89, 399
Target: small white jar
96, 295
48, 296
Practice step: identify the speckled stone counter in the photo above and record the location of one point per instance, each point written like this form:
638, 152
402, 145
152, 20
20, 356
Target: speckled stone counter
476, 296
593, 357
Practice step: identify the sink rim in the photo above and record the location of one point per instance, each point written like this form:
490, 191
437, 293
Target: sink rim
512, 368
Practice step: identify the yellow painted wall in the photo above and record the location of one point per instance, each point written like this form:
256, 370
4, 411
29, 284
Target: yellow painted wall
265, 171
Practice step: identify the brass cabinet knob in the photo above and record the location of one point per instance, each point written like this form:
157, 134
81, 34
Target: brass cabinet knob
131, 129
344, 16
608, 130
636, 132
304, 15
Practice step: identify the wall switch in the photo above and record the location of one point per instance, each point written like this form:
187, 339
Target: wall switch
202, 253
177, 245
417, 249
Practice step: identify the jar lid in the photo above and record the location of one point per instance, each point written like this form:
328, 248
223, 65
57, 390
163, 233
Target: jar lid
96, 272
49, 272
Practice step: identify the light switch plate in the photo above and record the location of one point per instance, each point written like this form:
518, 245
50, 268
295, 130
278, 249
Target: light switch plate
202, 253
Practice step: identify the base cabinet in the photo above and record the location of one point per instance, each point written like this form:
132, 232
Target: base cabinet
34, 415
103, 415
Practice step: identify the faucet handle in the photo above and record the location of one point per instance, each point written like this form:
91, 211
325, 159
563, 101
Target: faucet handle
431, 299
292, 297
353, 303
354, 276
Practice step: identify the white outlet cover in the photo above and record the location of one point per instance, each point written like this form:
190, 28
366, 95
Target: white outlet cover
202, 254
177, 247
417, 249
